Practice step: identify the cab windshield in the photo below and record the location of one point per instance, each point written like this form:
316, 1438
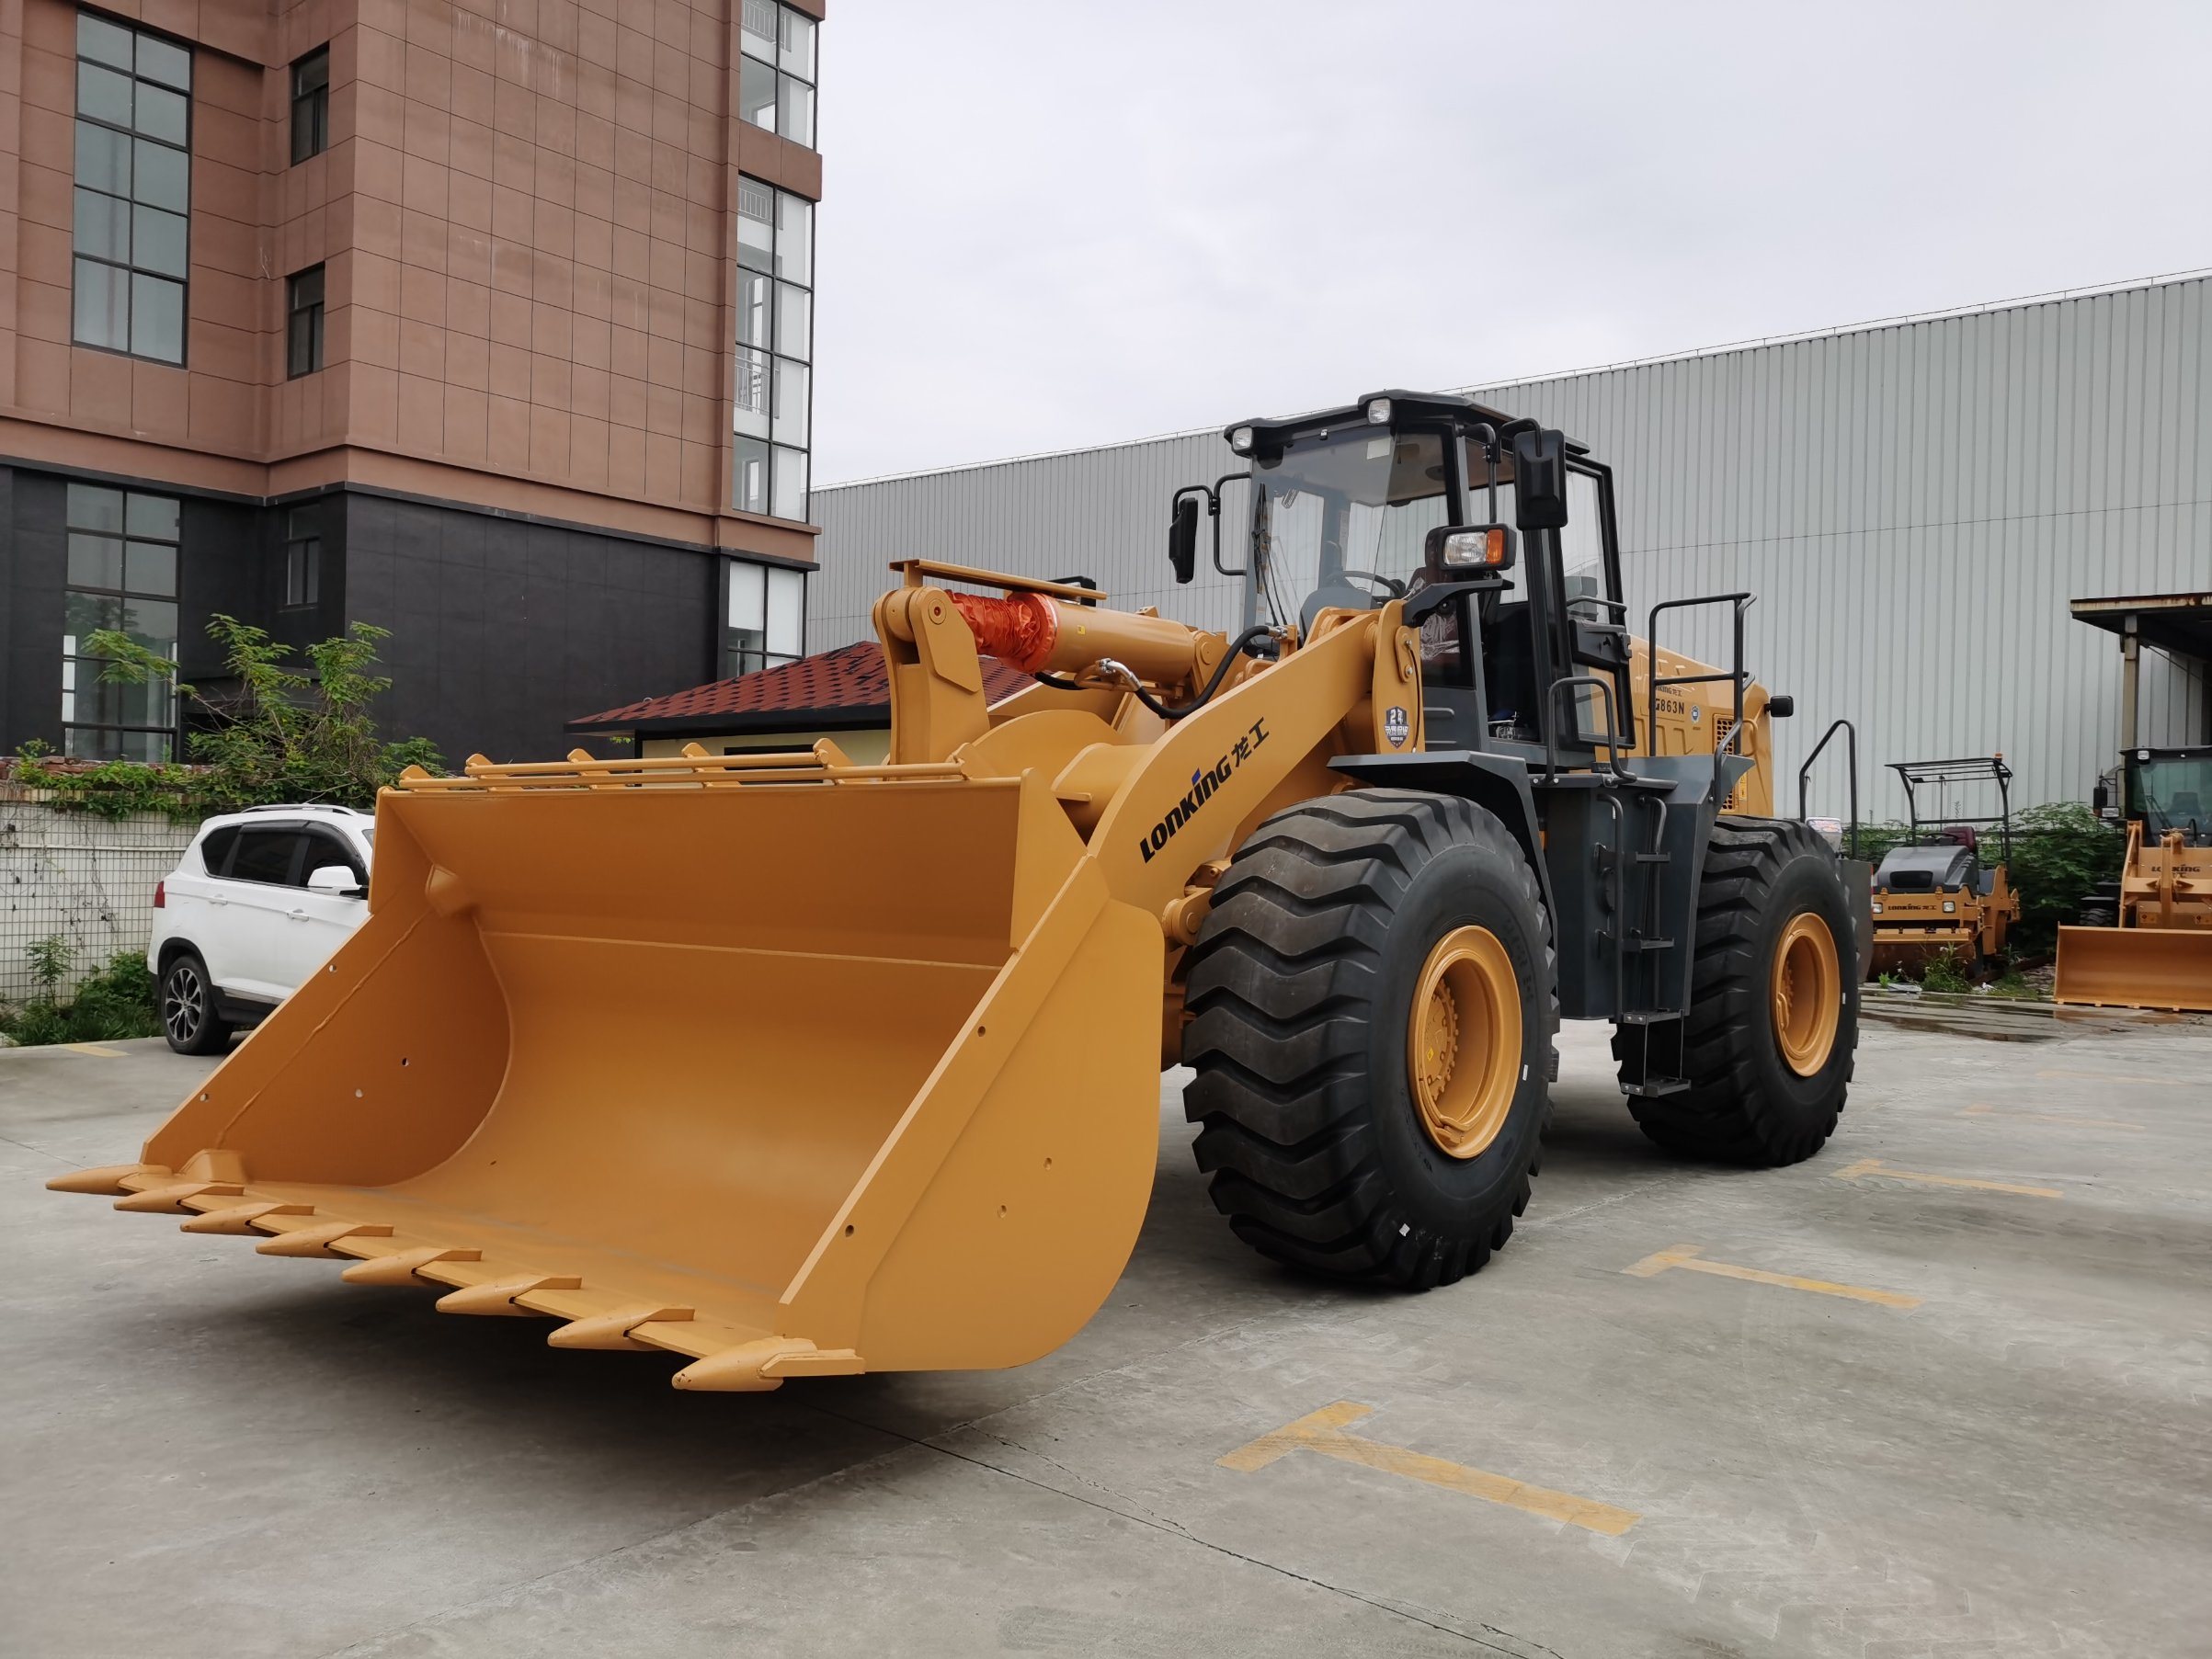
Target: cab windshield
1339, 519
2174, 792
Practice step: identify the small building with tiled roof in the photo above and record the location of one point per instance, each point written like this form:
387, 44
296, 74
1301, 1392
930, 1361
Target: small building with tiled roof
843, 694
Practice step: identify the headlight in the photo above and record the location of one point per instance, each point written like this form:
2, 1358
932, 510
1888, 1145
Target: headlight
1240, 440
1950, 908
1877, 907
1477, 547
1378, 412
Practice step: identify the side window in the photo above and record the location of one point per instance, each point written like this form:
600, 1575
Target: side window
268, 855
217, 847
323, 849
1583, 542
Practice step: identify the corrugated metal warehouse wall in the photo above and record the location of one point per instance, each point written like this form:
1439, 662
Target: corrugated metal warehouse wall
1914, 504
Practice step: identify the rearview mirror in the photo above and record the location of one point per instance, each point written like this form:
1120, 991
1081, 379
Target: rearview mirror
1540, 479
1182, 538
2100, 798
334, 879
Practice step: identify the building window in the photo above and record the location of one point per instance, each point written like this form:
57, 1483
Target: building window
133, 189
122, 574
767, 617
302, 557
310, 105
772, 402
776, 70
304, 322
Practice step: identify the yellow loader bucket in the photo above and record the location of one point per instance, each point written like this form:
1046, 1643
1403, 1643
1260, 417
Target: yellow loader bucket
786, 1065
2136, 967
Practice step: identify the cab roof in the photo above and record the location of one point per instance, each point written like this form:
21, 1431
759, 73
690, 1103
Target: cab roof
1463, 412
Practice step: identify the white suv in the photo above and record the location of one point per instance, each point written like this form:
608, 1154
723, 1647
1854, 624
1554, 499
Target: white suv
259, 900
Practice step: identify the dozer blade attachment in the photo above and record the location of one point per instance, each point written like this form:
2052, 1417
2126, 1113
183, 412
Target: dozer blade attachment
2136, 968
794, 1068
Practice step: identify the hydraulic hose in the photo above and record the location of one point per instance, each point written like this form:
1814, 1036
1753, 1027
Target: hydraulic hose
1240, 646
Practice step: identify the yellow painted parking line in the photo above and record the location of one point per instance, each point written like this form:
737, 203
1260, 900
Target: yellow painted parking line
93, 1048
1990, 1111
1875, 1166
2161, 1082
1323, 1431
1687, 1256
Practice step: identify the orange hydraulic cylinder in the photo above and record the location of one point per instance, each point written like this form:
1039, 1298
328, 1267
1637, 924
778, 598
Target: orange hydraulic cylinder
1038, 634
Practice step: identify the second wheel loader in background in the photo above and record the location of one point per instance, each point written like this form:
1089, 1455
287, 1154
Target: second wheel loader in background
2154, 948
795, 1067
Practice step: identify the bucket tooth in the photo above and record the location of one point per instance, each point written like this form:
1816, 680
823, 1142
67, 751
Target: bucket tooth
744, 1369
611, 1330
399, 1268
240, 1218
316, 1241
499, 1297
106, 1181
170, 1200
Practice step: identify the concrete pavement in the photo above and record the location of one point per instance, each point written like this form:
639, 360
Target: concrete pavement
2001, 1450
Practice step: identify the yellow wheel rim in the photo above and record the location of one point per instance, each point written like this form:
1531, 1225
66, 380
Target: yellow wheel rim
1462, 1042
1807, 990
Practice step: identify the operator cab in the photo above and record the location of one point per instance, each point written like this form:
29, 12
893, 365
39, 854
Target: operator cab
1507, 529
2171, 790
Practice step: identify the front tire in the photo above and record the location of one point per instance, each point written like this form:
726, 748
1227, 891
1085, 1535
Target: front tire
187, 1007
1372, 1008
1773, 1023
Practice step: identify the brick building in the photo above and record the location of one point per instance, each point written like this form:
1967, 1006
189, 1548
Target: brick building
489, 324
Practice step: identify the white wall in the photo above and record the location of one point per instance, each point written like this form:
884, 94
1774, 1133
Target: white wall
1913, 503
90, 880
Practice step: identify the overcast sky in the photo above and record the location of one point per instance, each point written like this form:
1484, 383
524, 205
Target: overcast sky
1051, 223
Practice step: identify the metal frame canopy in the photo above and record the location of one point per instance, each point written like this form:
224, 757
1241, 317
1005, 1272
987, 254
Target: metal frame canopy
1967, 770
2177, 624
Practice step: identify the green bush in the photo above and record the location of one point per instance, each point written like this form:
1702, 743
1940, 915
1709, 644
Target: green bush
2060, 851
1945, 972
116, 1003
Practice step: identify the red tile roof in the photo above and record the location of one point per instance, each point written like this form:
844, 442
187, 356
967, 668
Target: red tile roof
847, 682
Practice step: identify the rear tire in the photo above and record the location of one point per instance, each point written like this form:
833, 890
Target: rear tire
1301, 989
1747, 1102
187, 1007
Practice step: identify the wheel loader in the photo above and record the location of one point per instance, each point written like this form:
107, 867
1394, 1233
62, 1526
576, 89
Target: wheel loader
793, 1067
1935, 893
2156, 950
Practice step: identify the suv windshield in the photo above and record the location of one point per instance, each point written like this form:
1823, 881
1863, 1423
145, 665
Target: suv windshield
1337, 511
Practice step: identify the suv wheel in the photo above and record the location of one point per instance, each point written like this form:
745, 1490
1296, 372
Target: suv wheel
187, 1007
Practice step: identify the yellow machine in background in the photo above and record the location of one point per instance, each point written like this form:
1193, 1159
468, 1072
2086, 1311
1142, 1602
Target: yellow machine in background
2158, 951
796, 1067
1936, 895
1697, 715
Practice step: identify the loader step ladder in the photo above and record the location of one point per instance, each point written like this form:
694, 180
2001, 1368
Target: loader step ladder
1652, 1057
1651, 1064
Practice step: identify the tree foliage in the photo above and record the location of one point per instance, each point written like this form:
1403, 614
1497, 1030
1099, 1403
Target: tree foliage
278, 732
